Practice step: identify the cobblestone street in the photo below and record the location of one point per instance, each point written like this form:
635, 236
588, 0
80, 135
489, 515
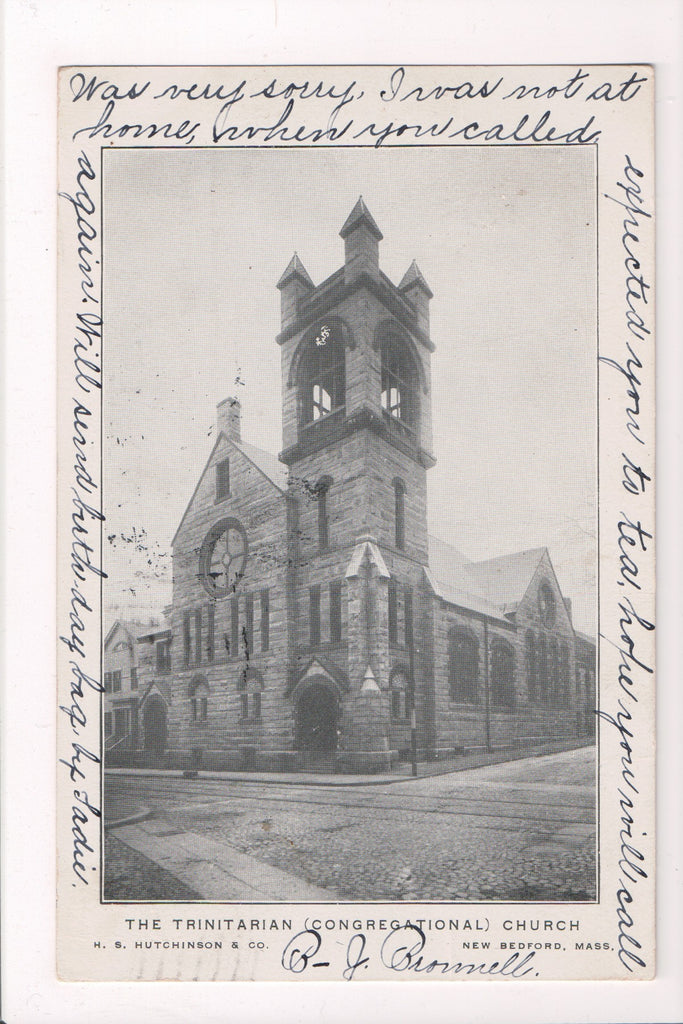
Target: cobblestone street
523, 830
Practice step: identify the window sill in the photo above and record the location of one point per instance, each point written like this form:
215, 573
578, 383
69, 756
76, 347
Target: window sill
399, 427
326, 646
332, 416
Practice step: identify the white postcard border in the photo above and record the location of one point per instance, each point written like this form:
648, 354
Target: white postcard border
48, 1001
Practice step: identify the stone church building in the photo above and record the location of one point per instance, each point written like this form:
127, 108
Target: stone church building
312, 614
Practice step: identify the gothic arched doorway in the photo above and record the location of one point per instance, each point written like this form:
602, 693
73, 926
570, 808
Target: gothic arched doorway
317, 713
154, 722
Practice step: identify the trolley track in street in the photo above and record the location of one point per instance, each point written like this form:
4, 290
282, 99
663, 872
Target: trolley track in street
457, 806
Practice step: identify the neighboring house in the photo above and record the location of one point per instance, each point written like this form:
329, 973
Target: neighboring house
136, 666
311, 612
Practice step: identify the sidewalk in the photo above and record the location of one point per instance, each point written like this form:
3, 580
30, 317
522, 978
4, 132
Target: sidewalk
215, 870
400, 773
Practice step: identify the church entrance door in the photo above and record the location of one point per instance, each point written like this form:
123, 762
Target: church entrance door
154, 721
316, 720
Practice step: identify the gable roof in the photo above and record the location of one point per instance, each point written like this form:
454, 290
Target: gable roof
445, 561
267, 464
128, 626
505, 580
158, 633
454, 594
492, 587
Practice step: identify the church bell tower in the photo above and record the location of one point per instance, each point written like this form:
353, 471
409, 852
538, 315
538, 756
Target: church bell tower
357, 439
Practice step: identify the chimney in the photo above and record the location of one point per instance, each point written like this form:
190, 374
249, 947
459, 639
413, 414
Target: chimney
361, 243
228, 418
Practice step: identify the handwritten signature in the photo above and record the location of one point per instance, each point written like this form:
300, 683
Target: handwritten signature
402, 950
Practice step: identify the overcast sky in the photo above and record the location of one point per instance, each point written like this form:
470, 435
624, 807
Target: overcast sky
194, 243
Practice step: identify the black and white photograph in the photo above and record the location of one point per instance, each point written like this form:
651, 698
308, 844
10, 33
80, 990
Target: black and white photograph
355, 548
341, 634
350, 549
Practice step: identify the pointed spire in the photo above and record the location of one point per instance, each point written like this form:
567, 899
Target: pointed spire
360, 214
413, 277
295, 268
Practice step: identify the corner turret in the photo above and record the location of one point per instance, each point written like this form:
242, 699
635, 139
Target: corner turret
293, 285
361, 243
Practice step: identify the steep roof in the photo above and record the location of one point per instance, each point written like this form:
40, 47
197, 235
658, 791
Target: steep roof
127, 625
445, 561
267, 463
360, 213
160, 633
505, 579
295, 268
492, 587
413, 275
453, 593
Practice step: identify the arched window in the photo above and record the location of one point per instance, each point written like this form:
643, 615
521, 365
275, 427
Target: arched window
463, 665
399, 514
198, 692
554, 672
251, 686
565, 696
543, 681
400, 702
321, 490
531, 664
321, 376
503, 675
399, 381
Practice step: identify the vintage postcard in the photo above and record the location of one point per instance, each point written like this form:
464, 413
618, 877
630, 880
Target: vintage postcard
356, 564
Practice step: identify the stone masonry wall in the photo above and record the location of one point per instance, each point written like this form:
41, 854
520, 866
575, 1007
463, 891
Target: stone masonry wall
464, 724
226, 735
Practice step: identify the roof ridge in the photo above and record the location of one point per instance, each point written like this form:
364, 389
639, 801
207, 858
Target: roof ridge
510, 554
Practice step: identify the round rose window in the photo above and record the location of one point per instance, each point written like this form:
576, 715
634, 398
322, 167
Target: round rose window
223, 557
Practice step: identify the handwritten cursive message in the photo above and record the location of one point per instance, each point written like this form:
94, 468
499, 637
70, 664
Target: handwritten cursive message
633, 544
338, 108
85, 521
